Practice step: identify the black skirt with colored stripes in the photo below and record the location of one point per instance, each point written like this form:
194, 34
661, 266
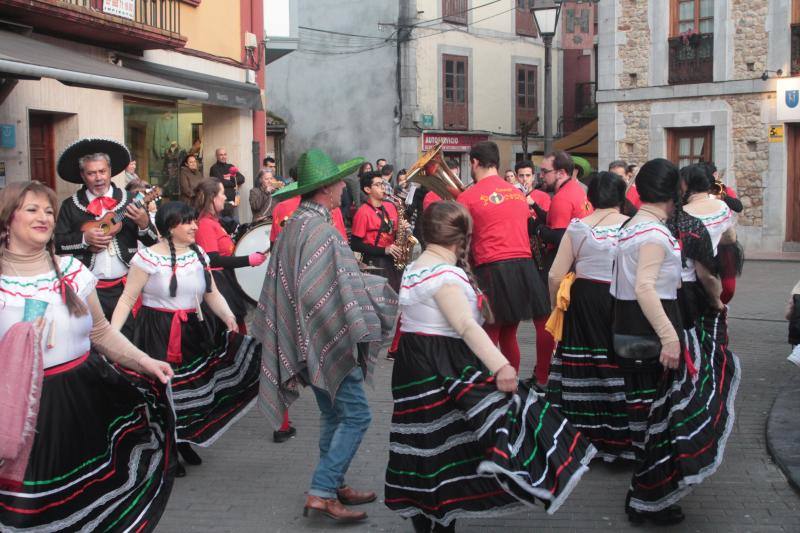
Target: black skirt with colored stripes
216, 381
515, 290
585, 382
103, 455
690, 418
460, 448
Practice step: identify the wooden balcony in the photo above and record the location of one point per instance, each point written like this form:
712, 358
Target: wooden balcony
691, 60
795, 68
152, 24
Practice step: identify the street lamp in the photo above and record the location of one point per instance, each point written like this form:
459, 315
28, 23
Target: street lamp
545, 14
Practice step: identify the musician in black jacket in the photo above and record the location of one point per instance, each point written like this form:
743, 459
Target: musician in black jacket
92, 163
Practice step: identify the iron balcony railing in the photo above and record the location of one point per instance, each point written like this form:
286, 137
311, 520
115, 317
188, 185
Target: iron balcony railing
691, 59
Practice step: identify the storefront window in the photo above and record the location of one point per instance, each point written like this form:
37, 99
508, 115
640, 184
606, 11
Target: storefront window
160, 135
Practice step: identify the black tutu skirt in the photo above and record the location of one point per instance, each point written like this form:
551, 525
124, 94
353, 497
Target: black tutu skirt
103, 456
731, 260
690, 418
514, 289
216, 381
585, 382
229, 288
460, 448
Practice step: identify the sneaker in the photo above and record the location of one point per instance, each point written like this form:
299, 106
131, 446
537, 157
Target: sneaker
794, 357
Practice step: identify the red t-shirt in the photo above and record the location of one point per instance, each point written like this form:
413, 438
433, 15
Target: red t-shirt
567, 203
500, 221
286, 209
212, 237
633, 196
368, 220
430, 198
542, 199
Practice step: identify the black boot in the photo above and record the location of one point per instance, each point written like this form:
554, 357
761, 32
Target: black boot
422, 523
666, 517
188, 454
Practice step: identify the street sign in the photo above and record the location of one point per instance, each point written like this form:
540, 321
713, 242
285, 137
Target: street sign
776, 133
788, 99
121, 8
427, 121
8, 136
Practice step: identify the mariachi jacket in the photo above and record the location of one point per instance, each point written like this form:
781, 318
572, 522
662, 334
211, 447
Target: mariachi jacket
73, 214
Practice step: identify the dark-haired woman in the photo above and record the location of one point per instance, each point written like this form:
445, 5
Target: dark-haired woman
84, 445
216, 373
719, 219
466, 439
680, 404
190, 177
585, 382
209, 200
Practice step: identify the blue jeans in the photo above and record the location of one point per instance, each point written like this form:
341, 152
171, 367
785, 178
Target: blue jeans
343, 424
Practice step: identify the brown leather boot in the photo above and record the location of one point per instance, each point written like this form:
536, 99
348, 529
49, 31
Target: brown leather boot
332, 508
350, 496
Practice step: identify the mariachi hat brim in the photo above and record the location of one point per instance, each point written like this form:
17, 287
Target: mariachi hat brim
69, 169
316, 169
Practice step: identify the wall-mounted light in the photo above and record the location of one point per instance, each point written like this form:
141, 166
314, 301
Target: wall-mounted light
778, 73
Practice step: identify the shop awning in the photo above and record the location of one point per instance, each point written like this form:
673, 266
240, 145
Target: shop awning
580, 142
220, 91
24, 57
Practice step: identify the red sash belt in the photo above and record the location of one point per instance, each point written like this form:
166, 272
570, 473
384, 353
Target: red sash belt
174, 353
69, 365
109, 283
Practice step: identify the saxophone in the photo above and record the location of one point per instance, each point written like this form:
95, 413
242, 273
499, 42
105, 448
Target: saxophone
403, 238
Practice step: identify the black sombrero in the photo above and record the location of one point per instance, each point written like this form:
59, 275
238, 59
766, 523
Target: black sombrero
69, 169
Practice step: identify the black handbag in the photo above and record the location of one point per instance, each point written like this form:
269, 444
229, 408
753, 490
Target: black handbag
635, 353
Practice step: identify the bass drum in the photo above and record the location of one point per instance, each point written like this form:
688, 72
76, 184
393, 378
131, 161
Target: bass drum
256, 239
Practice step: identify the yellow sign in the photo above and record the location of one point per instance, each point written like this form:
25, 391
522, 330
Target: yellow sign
776, 134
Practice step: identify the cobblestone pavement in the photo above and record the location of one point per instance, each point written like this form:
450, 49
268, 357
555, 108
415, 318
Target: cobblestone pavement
249, 484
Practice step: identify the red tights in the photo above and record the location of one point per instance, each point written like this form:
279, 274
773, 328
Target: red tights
505, 336
544, 351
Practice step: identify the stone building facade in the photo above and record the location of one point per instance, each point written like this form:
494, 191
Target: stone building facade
697, 80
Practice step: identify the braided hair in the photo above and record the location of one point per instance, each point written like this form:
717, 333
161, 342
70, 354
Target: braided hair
167, 217
11, 199
447, 223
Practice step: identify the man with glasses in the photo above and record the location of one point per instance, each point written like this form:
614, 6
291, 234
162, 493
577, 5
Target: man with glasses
374, 228
569, 201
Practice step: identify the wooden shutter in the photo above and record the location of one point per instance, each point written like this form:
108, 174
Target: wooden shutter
455, 11
455, 92
526, 102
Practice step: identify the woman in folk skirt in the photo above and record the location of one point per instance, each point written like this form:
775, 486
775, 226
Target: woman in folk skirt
585, 383
216, 372
681, 405
466, 440
83, 445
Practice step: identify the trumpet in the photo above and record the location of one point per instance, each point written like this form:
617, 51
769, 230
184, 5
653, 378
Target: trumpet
718, 189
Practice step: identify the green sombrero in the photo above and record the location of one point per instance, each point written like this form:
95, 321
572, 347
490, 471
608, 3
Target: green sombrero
316, 169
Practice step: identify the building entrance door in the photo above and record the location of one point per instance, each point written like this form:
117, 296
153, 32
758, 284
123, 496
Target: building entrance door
42, 149
793, 182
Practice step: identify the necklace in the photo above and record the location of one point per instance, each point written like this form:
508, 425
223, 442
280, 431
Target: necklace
657, 215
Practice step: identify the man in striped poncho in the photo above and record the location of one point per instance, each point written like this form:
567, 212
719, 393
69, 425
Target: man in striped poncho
315, 307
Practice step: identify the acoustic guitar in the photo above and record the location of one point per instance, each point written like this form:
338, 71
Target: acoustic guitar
111, 223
